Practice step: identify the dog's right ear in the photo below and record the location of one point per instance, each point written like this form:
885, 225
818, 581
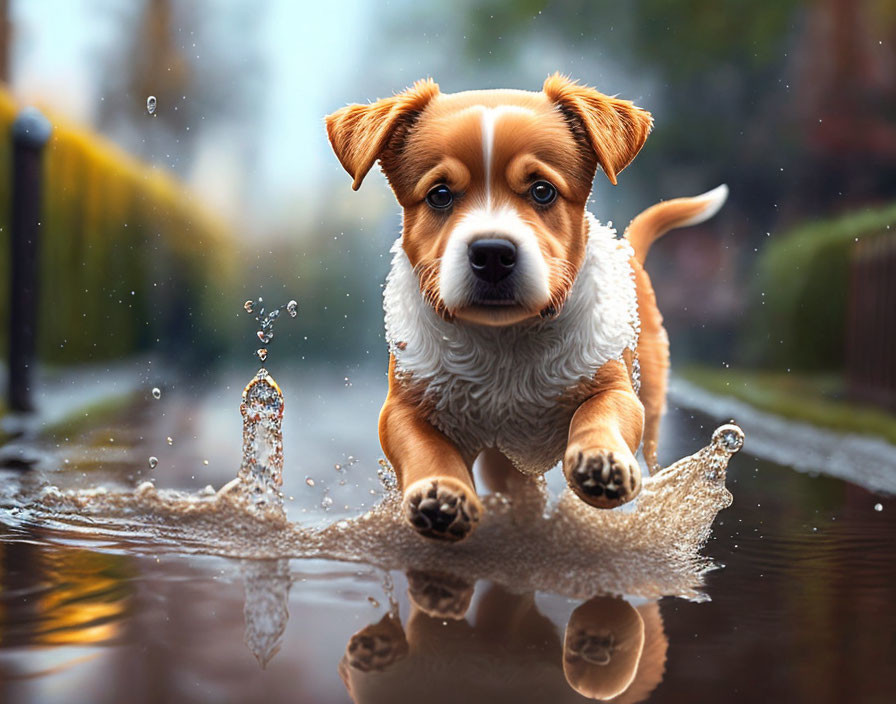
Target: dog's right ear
360, 133
616, 129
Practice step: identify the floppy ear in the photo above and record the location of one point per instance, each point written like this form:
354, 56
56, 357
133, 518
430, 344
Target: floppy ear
360, 133
616, 129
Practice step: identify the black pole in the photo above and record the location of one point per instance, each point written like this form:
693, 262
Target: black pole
30, 133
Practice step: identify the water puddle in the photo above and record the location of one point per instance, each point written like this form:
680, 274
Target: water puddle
614, 564
234, 590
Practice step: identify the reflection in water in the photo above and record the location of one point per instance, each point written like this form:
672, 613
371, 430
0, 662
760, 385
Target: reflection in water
605, 646
506, 651
51, 596
267, 584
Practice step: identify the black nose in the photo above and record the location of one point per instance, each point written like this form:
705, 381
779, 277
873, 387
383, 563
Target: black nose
492, 260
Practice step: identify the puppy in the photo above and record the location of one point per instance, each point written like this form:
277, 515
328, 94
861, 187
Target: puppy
517, 323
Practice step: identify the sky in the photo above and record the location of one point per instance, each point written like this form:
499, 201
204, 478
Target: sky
305, 48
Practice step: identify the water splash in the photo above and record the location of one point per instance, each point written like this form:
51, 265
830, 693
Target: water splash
265, 320
525, 539
261, 470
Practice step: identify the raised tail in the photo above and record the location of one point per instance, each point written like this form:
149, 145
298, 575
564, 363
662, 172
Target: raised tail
658, 219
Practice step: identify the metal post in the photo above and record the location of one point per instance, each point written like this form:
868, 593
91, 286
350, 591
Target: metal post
30, 133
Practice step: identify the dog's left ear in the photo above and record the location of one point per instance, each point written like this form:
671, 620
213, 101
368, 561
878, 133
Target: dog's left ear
615, 128
360, 133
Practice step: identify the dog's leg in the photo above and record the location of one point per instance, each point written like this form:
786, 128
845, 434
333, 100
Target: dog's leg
439, 499
526, 494
653, 357
604, 434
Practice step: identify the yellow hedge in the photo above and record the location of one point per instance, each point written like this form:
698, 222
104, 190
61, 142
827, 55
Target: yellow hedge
127, 256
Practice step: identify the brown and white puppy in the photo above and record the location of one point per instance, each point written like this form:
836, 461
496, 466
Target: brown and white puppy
516, 322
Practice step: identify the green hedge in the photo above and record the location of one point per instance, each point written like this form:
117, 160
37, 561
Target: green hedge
803, 280
127, 257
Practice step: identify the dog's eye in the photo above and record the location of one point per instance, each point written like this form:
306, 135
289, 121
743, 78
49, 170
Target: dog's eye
543, 192
440, 197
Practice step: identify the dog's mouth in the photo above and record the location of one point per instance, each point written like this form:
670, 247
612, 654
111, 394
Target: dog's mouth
494, 303
500, 295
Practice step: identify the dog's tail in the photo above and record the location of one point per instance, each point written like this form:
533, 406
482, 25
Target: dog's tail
658, 219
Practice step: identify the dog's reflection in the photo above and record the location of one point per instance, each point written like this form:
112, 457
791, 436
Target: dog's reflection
506, 651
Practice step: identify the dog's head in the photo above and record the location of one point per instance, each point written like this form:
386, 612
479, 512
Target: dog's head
493, 185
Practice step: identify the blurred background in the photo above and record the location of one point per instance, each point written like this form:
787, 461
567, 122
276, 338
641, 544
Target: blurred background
156, 227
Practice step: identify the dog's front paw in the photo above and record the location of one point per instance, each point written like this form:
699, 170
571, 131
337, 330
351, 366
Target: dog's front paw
443, 508
603, 478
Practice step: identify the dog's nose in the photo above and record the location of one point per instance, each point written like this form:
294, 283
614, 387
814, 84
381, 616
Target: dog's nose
492, 260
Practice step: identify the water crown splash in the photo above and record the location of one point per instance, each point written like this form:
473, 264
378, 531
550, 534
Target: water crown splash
261, 471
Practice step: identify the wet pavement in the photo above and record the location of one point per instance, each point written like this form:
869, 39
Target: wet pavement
801, 608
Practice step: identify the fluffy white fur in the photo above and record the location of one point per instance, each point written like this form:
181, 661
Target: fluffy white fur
456, 281
515, 388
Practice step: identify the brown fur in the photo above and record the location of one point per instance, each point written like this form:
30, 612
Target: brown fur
423, 138
616, 129
648, 226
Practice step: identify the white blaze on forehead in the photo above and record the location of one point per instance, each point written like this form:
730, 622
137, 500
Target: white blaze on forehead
489, 119
531, 275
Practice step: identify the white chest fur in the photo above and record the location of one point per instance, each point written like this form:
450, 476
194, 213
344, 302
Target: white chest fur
515, 388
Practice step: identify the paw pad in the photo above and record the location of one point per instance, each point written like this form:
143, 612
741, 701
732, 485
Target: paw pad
441, 512
604, 479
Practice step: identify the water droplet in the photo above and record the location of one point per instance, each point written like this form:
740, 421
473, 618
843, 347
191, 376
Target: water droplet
156, 393
205, 462
265, 337
309, 481
151, 105
373, 602
729, 438
326, 502
292, 309
249, 306
348, 382
262, 353
878, 507
169, 440
153, 462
